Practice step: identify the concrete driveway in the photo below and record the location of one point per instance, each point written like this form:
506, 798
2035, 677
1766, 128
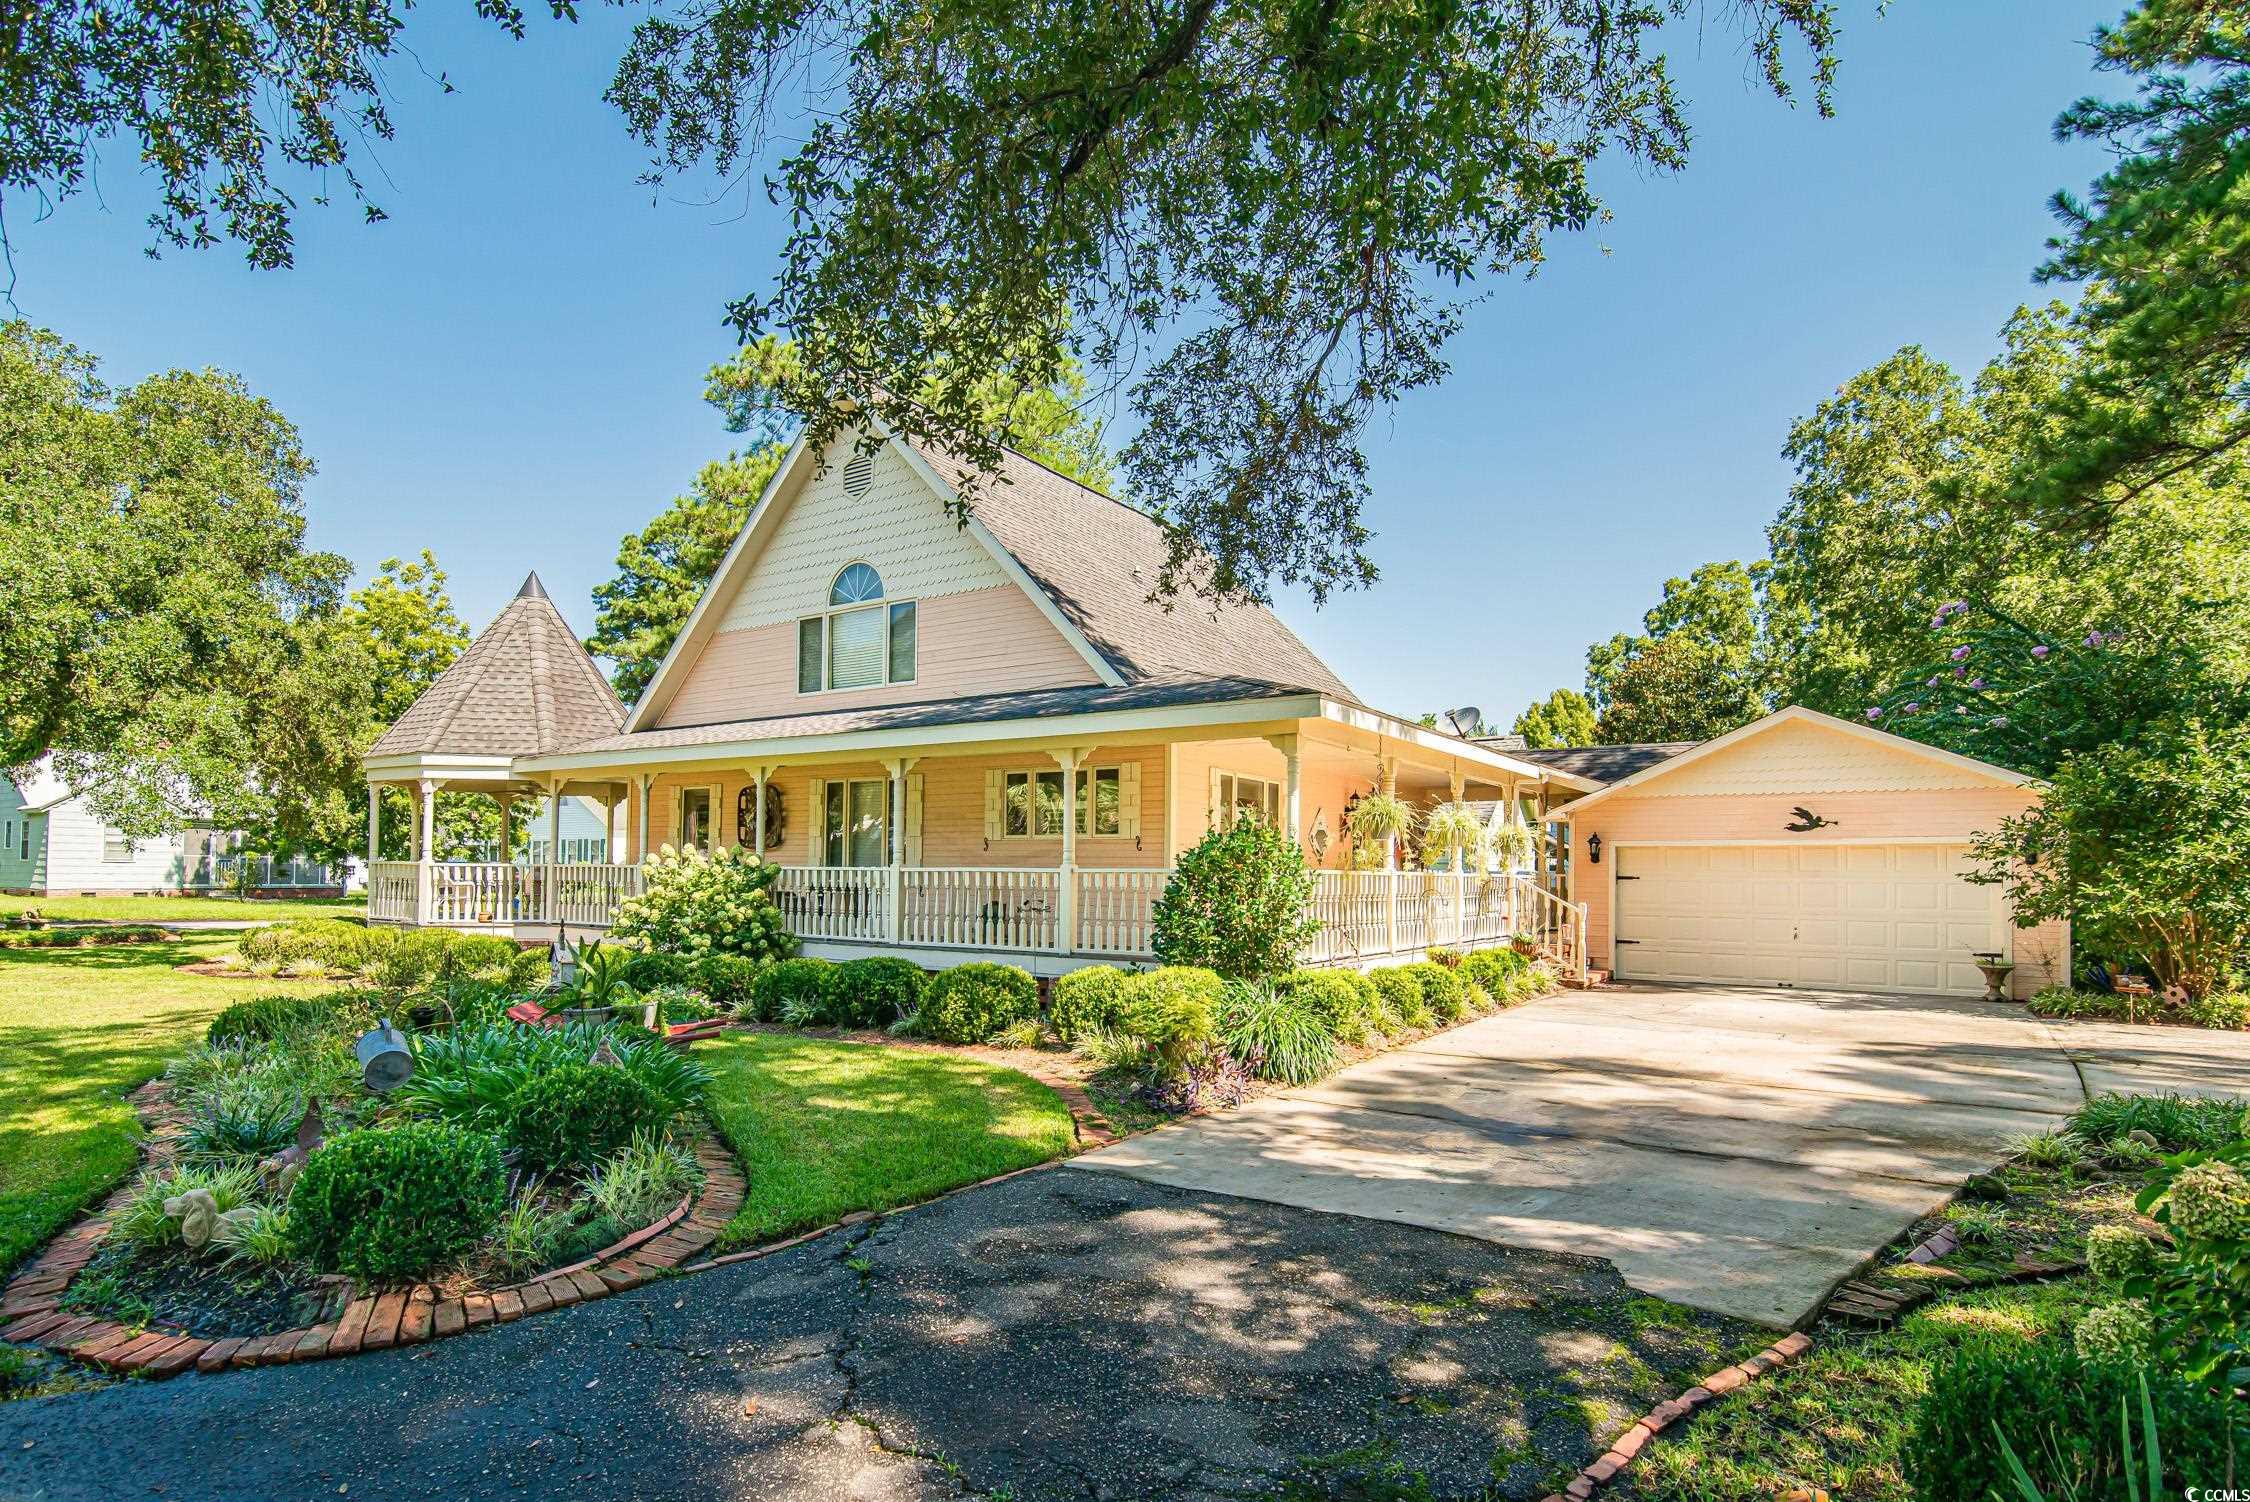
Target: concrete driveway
1740, 1151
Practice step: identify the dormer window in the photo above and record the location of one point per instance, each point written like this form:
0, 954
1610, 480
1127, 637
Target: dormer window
862, 639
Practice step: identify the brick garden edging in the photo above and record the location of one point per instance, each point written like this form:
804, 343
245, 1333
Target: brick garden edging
1623, 1449
372, 1321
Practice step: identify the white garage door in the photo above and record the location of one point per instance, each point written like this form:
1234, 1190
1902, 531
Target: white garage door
1842, 917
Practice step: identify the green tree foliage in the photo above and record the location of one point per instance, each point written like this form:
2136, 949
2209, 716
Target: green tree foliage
1698, 669
1306, 190
2164, 236
663, 568
170, 640
404, 619
1564, 718
2144, 845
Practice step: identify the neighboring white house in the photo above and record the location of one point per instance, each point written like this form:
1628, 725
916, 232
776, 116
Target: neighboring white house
53, 845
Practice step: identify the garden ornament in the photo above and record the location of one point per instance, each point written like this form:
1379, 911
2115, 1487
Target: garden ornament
282, 1168
1807, 821
606, 1057
230, 1222
198, 1215
384, 1060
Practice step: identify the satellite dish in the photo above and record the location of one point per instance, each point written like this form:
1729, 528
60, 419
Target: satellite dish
1468, 721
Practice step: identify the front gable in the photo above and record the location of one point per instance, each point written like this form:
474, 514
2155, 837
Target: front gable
1805, 756
980, 629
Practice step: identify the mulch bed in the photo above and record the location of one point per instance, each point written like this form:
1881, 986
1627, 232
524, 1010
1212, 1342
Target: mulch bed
372, 1319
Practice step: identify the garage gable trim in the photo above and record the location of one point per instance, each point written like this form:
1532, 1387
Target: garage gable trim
1797, 713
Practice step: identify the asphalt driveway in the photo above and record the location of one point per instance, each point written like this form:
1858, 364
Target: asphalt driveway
1739, 1151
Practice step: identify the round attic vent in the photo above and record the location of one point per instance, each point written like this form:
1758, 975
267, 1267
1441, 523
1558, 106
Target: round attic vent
859, 475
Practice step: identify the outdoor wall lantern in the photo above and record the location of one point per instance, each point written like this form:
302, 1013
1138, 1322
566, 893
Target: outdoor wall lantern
1593, 850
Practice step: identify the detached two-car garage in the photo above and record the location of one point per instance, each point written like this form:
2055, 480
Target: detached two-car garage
1804, 851
1844, 917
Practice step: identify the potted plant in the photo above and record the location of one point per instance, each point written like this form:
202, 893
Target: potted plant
1381, 819
598, 988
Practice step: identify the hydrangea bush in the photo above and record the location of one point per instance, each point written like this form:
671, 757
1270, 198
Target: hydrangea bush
700, 903
2195, 1296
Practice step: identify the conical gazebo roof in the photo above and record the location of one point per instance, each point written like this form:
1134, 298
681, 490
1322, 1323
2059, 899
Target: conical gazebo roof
524, 687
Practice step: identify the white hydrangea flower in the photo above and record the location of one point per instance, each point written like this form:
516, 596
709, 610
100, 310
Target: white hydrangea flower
2211, 1202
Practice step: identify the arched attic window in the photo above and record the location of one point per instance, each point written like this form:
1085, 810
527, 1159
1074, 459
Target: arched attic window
862, 639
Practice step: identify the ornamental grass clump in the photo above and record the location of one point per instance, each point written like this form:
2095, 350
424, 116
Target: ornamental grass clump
1276, 1037
696, 902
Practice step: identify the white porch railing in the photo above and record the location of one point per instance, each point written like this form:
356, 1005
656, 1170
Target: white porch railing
980, 907
1117, 911
835, 902
1363, 916
390, 891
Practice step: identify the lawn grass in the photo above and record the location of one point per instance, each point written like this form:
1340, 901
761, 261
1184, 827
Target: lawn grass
177, 909
79, 1028
823, 1128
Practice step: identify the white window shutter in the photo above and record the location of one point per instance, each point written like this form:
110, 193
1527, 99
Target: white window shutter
914, 818
816, 822
679, 819
992, 805
1218, 807
721, 827
1129, 800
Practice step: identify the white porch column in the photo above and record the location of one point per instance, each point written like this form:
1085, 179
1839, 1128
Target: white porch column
1292, 789
897, 767
374, 830
1390, 790
507, 804
1390, 860
1066, 874
758, 777
640, 843
609, 823
425, 840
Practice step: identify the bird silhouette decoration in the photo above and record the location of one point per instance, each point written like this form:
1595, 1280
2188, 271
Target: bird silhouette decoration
1807, 821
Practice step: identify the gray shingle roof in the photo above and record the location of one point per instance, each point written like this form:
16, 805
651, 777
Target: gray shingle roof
525, 686
1098, 558
1607, 763
1029, 704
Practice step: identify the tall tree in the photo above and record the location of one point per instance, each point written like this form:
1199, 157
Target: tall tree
2165, 238
404, 619
1295, 197
663, 568
171, 642
1707, 666
1563, 718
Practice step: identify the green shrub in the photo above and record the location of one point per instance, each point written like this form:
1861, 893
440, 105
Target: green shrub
1400, 986
572, 1115
798, 992
1238, 903
728, 979
1345, 1001
333, 943
650, 969
1444, 990
970, 1003
2227, 1010
1174, 1012
2177, 1122
2061, 1416
529, 970
1086, 1002
1276, 1037
469, 1077
878, 990
396, 1202
1496, 970
413, 960
265, 1018
697, 902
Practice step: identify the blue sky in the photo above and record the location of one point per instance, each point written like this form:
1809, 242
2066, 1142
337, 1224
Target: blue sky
509, 371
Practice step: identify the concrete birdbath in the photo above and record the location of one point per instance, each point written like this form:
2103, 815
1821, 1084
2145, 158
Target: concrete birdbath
1996, 972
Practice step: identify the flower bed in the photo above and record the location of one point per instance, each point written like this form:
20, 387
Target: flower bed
284, 1212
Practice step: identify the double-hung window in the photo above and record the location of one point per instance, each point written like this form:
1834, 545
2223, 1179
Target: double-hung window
117, 850
1248, 798
1031, 803
862, 639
